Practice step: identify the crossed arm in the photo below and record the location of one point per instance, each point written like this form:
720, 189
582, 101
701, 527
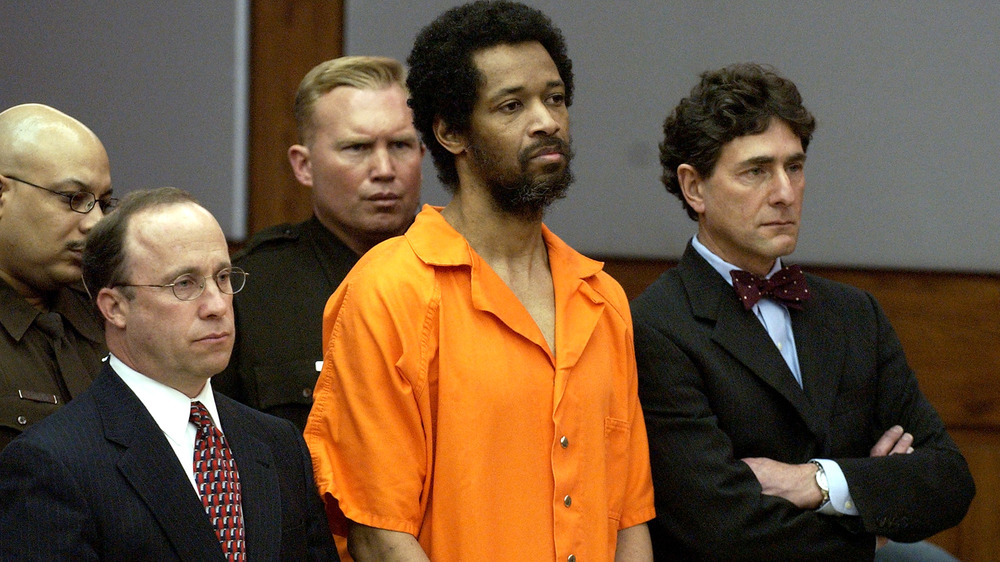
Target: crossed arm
797, 483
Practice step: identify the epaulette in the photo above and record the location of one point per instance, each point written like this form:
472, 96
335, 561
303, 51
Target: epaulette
286, 232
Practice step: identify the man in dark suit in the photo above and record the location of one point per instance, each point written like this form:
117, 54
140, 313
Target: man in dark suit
149, 463
360, 156
789, 427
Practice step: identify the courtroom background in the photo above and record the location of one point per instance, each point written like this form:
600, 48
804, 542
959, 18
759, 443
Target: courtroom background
901, 196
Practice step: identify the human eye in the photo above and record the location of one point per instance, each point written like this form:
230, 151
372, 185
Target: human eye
510, 106
107, 204
185, 282
557, 98
80, 198
356, 147
401, 145
796, 167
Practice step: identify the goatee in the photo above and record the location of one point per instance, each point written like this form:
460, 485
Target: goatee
523, 193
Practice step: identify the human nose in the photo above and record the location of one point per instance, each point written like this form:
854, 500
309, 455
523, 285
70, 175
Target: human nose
546, 122
785, 189
381, 165
90, 218
214, 301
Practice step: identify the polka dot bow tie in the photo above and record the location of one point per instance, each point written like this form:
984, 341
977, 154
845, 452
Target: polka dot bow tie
787, 286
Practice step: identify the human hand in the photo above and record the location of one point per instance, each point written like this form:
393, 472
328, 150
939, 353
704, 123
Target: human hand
793, 482
893, 441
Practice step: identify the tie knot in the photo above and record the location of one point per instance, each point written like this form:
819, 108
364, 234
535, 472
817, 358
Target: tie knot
787, 285
51, 323
200, 416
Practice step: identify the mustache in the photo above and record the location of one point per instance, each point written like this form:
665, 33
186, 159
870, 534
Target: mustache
557, 143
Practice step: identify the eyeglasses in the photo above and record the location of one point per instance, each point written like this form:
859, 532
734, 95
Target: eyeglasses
188, 287
81, 201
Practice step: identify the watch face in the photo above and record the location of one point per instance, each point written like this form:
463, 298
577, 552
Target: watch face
821, 479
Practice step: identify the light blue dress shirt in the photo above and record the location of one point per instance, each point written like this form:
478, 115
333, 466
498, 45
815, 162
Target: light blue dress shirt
778, 323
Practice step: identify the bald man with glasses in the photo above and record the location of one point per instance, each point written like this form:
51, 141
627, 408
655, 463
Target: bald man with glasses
55, 184
150, 463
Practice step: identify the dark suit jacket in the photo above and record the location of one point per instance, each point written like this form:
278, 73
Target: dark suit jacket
98, 480
294, 268
715, 389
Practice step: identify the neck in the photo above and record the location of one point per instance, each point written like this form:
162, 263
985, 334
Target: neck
494, 235
118, 346
41, 301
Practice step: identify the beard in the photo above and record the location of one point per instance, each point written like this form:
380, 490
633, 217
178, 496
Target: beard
521, 192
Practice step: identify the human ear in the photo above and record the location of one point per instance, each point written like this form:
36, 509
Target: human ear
298, 157
692, 187
113, 306
452, 141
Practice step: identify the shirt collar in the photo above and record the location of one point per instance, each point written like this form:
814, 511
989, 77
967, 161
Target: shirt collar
170, 408
436, 243
722, 266
17, 314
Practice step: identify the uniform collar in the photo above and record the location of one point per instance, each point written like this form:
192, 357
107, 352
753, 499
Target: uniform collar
17, 314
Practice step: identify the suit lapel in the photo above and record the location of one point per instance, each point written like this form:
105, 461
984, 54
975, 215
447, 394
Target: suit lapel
821, 352
740, 333
150, 466
259, 487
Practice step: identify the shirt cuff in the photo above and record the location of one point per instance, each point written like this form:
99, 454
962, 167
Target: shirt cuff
840, 502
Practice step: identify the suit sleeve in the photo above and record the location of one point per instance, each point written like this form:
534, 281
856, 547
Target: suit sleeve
42, 515
320, 545
709, 504
907, 497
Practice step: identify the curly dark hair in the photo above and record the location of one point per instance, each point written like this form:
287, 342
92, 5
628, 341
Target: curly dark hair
731, 102
444, 82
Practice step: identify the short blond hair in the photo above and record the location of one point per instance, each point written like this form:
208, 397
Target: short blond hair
366, 73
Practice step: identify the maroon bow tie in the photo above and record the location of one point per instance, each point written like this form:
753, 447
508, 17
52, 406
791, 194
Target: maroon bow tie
787, 286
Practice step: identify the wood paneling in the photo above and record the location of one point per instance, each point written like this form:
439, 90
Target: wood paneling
949, 328
287, 39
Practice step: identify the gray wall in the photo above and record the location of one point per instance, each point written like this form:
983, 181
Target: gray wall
904, 166
162, 83
902, 172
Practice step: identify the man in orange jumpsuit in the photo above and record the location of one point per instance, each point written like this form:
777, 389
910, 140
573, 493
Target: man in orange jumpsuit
478, 394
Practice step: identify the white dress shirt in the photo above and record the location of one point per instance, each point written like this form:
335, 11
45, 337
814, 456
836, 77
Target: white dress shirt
171, 410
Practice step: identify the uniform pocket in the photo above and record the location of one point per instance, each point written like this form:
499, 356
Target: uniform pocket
616, 440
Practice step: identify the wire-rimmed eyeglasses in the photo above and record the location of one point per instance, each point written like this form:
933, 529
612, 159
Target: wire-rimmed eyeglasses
188, 287
81, 201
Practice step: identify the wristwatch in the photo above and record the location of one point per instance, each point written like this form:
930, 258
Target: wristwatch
824, 487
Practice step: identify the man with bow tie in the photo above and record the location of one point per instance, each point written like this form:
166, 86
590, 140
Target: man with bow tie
783, 420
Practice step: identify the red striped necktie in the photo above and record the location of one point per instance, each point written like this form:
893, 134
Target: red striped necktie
218, 483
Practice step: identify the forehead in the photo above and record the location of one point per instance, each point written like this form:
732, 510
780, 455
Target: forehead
59, 164
180, 235
777, 142
514, 66
346, 109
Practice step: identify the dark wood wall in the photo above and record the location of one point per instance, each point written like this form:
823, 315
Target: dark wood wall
947, 322
287, 39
